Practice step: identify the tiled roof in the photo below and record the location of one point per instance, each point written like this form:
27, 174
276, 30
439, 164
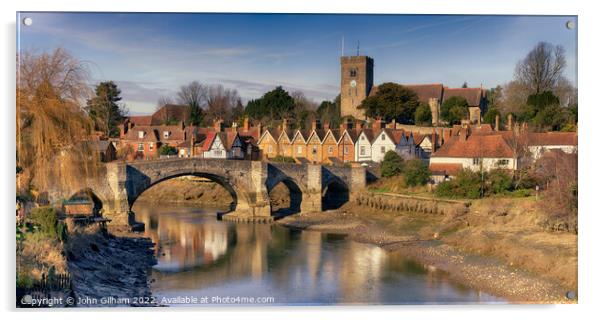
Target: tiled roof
445, 168
171, 112
553, 139
472, 95
140, 120
427, 91
208, 141
150, 135
475, 146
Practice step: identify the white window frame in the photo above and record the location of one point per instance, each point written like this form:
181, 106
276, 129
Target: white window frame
140, 134
141, 146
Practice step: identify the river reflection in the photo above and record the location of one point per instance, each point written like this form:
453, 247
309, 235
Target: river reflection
200, 256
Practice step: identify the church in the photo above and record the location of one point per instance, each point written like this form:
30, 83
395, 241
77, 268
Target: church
357, 83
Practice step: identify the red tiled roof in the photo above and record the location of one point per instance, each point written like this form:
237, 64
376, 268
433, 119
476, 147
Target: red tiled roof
427, 91
208, 141
475, 146
171, 112
445, 168
140, 120
473, 96
149, 134
553, 139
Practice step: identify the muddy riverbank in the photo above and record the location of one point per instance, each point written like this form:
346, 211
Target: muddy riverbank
447, 242
109, 268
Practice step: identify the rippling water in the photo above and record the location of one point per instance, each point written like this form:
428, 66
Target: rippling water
201, 257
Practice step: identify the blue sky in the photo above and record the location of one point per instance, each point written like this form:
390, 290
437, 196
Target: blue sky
150, 55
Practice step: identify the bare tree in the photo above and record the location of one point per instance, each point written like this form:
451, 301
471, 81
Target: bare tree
221, 102
194, 96
542, 67
163, 100
513, 98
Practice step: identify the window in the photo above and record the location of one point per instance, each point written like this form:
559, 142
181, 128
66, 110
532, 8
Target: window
330, 149
353, 73
363, 150
503, 162
382, 137
362, 138
382, 150
270, 149
314, 149
217, 152
476, 161
141, 146
346, 150
165, 134
150, 146
140, 134
299, 149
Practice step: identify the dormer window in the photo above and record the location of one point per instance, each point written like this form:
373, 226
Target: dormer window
140, 134
165, 134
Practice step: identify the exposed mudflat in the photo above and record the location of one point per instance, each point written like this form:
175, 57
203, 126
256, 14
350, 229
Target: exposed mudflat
110, 269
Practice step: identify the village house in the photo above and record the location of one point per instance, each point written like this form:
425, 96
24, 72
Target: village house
474, 152
347, 143
363, 146
268, 143
539, 143
330, 146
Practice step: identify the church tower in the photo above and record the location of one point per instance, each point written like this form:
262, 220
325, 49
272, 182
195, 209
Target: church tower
357, 78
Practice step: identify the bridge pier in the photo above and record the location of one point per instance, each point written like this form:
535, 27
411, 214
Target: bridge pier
312, 198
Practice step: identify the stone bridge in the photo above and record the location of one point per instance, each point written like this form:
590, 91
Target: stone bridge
312, 187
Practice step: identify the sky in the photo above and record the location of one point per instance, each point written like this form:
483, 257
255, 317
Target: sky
152, 55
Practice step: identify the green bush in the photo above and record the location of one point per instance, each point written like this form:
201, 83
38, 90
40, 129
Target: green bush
469, 184
499, 181
392, 164
46, 220
416, 173
167, 150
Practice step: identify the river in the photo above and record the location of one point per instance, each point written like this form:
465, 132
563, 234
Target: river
218, 262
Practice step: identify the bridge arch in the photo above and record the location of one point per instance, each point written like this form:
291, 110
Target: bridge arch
294, 199
335, 193
222, 181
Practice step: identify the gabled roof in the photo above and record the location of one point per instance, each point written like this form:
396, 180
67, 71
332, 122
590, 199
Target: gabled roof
335, 133
287, 134
320, 133
271, 132
208, 141
228, 138
304, 135
369, 133
427, 91
475, 146
473, 96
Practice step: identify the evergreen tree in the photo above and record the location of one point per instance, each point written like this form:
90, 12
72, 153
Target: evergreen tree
454, 110
104, 109
423, 115
392, 164
392, 101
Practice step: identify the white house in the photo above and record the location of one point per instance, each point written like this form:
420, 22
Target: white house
214, 147
475, 152
363, 146
539, 143
396, 140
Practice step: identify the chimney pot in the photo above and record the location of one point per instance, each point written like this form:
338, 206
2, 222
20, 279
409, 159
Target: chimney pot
497, 122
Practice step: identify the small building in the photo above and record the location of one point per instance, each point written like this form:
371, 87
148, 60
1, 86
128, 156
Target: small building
363, 146
444, 171
539, 143
476, 152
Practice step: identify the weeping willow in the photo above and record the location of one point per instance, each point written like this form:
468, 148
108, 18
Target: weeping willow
51, 123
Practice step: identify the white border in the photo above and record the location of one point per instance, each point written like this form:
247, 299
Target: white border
589, 168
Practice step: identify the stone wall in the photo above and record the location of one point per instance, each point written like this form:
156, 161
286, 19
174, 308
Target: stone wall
398, 203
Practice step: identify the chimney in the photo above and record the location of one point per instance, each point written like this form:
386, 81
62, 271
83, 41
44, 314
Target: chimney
434, 140
130, 125
284, 124
358, 124
377, 125
122, 131
245, 124
441, 136
326, 126
182, 125
314, 124
259, 132
217, 125
497, 122
510, 121
463, 134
